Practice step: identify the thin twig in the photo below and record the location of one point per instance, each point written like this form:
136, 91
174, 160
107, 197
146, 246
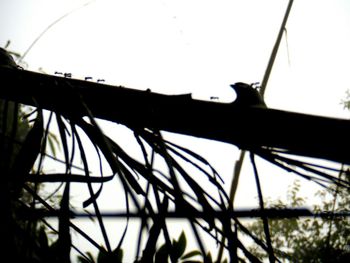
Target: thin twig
49, 27
264, 218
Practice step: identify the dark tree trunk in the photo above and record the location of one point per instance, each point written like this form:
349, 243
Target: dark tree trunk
245, 127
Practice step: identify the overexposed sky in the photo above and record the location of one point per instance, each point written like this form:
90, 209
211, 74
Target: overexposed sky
196, 46
192, 46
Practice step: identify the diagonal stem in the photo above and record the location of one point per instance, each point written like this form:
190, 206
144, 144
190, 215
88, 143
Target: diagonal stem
264, 217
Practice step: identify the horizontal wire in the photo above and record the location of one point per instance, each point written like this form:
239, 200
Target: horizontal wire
242, 213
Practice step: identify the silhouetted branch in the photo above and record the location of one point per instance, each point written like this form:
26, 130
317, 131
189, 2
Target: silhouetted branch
246, 127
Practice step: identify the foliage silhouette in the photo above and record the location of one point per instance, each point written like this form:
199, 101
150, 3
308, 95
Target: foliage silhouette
163, 181
166, 188
311, 239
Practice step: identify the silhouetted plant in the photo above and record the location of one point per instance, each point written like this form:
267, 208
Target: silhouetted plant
116, 256
310, 239
169, 180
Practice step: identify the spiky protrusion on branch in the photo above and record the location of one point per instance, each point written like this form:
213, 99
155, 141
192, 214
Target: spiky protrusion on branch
246, 127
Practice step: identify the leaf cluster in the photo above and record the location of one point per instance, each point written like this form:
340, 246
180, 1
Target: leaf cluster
309, 239
176, 252
149, 190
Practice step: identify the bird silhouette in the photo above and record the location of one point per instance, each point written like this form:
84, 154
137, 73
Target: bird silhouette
6, 59
247, 96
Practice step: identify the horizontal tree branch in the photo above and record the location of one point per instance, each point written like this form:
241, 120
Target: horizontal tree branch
246, 127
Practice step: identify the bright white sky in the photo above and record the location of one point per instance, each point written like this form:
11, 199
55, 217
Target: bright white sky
192, 46
196, 46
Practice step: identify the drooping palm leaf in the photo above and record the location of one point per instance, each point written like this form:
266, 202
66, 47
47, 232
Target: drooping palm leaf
150, 190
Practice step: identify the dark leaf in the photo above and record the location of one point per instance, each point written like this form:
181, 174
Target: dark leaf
62, 130
154, 233
73, 178
87, 258
162, 254
64, 239
28, 153
191, 254
92, 194
42, 239
208, 258
179, 247
116, 256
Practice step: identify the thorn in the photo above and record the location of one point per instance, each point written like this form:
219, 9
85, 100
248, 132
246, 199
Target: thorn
7, 44
67, 75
